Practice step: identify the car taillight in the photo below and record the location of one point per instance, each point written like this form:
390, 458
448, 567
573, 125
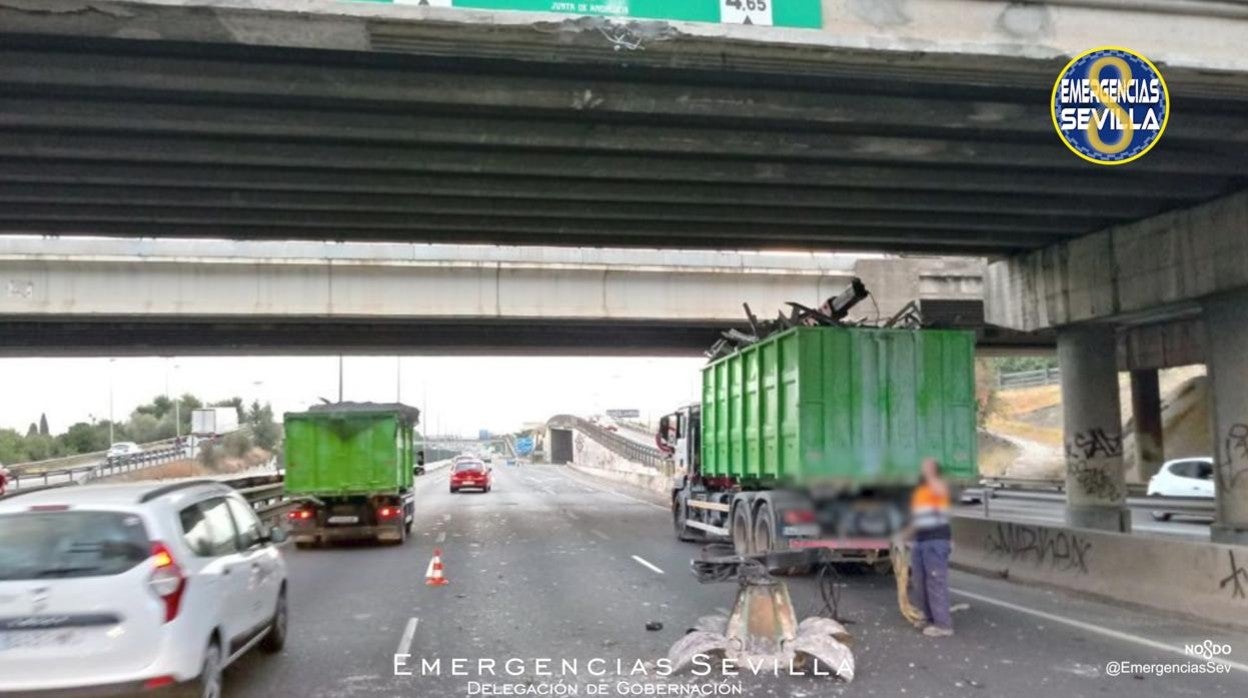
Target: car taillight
158, 682
389, 512
167, 580
298, 514
799, 516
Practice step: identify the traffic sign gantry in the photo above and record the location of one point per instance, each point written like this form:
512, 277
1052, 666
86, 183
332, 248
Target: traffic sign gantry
780, 13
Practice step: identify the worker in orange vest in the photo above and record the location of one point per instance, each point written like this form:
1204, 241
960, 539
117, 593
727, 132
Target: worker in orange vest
929, 562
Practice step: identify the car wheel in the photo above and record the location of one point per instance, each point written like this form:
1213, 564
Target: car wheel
1161, 516
454, 490
208, 683
275, 641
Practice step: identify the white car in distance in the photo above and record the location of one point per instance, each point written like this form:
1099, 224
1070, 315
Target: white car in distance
123, 448
1182, 477
121, 589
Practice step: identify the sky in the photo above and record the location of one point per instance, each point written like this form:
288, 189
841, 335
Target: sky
460, 395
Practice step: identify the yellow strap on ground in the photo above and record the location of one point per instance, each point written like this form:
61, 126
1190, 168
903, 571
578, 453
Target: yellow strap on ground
900, 555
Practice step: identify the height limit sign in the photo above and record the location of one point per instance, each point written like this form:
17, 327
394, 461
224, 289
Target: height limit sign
745, 12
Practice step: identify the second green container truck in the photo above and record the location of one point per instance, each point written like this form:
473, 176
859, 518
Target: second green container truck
353, 464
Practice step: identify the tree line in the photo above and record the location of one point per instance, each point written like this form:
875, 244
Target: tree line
162, 418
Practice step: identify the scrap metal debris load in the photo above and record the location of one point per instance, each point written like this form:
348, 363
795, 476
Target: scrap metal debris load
366, 121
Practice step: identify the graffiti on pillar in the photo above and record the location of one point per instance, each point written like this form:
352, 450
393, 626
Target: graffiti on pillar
1094, 480
1236, 579
1093, 443
1236, 450
1058, 549
580, 442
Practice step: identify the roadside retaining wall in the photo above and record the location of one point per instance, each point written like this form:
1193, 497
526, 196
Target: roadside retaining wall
1198, 579
593, 458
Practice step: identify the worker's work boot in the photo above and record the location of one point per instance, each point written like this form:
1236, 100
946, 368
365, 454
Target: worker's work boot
935, 631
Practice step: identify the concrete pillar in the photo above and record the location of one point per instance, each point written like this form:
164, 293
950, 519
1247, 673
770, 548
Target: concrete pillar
1095, 487
1226, 353
1146, 408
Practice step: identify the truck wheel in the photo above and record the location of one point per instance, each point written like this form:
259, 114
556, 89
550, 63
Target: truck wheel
742, 535
764, 530
680, 514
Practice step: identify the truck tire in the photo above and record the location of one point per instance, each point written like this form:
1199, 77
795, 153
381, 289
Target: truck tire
742, 531
680, 514
764, 529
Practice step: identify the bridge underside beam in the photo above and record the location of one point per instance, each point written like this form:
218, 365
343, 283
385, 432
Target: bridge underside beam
338, 142
127, 336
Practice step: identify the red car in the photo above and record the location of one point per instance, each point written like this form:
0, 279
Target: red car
471, 474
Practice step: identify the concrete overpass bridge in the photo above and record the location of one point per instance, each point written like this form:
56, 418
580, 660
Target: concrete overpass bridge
905, 127
850, 125
110, 296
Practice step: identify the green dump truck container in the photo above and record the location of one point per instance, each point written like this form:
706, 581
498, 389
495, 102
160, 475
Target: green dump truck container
354, 464
841, 406
814, 437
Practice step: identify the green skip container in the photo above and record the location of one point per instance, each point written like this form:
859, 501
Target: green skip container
349, 452
841, 407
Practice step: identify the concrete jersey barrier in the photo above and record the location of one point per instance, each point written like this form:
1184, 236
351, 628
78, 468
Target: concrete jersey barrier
1201, 580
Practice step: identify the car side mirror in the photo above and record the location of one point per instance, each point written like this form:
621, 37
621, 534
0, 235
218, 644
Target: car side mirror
277, 535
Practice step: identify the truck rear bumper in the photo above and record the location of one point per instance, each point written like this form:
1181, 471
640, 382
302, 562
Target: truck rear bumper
347, 533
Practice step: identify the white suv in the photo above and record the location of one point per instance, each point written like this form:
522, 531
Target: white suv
124, 588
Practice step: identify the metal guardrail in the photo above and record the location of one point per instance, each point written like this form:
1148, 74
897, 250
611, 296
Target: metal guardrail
1134, 489
1028, 379
1201, 506
619, 445
104, 467
75, 462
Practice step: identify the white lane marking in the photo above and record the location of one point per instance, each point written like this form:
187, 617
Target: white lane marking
572, 516
409, 634
618, 494
600, 534
1099, 630
441, 536
643, 563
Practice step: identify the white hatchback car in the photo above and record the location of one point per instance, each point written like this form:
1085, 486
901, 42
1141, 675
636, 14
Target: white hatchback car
116, 589
122, 449
1184, 477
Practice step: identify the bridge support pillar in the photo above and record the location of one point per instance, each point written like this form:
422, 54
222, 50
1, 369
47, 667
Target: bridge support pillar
1226, 352
1095, 486
1146, 407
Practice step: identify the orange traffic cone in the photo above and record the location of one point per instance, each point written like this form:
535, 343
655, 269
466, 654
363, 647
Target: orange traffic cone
433, 577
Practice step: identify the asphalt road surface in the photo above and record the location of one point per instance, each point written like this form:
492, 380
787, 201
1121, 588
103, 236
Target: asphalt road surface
554, 564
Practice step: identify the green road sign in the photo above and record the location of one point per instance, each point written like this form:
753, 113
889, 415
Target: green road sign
780, 13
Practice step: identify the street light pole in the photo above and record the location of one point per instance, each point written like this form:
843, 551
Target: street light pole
111, 434
340, 378
177, 412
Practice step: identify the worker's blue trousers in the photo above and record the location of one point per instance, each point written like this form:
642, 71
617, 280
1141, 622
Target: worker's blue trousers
929, 581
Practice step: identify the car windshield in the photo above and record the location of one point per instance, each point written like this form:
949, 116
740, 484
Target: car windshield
466, 466
56, 545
